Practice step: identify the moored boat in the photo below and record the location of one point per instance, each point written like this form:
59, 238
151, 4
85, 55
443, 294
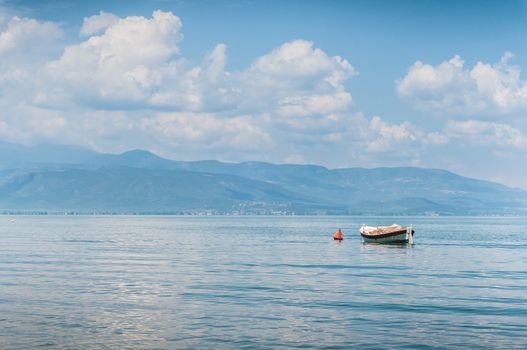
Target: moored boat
387, 234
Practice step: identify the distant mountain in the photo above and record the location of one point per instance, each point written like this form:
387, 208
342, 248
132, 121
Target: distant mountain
128, 190
48, 155
15, 155
54, 178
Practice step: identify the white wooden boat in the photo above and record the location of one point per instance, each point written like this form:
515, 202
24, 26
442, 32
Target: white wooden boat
387, 234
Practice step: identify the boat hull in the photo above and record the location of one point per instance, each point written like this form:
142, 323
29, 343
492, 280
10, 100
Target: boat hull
393, 237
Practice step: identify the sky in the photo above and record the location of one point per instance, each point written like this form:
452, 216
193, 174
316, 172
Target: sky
436, 84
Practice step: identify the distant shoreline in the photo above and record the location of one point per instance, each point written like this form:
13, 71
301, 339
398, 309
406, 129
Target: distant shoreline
60, 213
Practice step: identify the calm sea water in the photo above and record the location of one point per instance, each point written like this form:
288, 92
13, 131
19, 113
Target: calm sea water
260, 283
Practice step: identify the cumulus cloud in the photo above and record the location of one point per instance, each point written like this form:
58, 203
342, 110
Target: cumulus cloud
386, 135
135, 64
28, 36
487, 133
207, 130
125, 84
299, 79
121, 67
97, 23
25, 45
451, 87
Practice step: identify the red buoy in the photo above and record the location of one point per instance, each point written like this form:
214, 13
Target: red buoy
338, 235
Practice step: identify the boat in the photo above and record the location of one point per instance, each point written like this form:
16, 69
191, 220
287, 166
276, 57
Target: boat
387, 234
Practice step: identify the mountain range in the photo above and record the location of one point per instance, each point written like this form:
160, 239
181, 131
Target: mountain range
60, 178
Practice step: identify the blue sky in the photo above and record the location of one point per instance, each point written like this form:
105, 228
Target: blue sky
338, 83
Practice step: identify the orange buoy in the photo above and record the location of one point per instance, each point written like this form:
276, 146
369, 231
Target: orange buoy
338, 235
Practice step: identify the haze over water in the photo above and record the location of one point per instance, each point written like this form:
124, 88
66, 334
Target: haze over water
118, 282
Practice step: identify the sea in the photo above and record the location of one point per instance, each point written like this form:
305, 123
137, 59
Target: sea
260, 282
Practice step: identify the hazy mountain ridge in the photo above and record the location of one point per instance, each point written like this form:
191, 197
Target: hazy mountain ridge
66, 178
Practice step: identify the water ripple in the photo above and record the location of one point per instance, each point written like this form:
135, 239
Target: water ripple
268, 283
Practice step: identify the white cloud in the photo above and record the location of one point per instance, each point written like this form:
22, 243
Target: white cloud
314, 104
25, 44
135, 64
26, 36
295, 92
386, 136
299, 80
450, 87
487, 133
126, 84
299, 58
206, 131
98, 23
120, 68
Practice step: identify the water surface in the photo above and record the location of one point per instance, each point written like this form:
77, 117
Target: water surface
132, 282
